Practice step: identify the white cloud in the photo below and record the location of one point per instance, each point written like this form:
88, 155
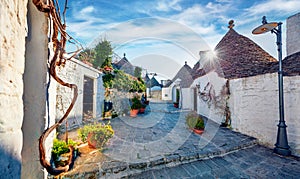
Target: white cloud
86, 10
167, 5
274, 6
207, 19
203, 19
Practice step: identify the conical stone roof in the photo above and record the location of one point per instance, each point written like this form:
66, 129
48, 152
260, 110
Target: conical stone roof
185, 74
237, 57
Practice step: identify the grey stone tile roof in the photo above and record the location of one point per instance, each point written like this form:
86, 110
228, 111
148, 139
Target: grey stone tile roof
290, 65
125, 65
185, 74
237, 57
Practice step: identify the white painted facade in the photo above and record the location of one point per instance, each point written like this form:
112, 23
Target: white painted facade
74, 72
166, 94
206, 104
253, 103
13, 30
187, 98
255, 111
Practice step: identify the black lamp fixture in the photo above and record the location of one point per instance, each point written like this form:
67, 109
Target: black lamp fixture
281, 146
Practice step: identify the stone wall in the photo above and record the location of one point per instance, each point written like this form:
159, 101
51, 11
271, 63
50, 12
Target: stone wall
74, 72
13, 30
187, 98
166, 94
293, 37
255, 111
210, 100
39, 94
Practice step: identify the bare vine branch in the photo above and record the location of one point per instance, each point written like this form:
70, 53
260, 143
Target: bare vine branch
65, 11
59, 30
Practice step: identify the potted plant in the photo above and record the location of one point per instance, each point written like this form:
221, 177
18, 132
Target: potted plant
96, 135
176, 103
135, 106
145, 99
61, 154
195, 123
107, 115
143, 108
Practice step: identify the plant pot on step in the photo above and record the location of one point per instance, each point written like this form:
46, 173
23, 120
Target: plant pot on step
134, 112
142, 110
195, 122
198, 131
176, 105
95, 141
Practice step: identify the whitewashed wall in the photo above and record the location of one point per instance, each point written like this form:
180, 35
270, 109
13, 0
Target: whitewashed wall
187, 98
255, 112
74, 72
209, 109
13, 30
166, 94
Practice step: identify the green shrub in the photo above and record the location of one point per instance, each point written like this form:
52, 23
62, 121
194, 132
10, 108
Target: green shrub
100, 133
177, 95
61, 147
194, 121
136, 103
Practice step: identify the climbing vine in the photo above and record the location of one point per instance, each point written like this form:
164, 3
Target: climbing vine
219, 102
59, 38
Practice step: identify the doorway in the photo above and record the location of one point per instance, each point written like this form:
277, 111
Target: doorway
195, 99
88, 97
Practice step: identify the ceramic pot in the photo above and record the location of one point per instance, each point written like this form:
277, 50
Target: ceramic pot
134, 112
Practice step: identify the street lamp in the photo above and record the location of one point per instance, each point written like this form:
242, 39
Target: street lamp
281, 146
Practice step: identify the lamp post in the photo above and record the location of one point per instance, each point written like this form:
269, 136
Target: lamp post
281, 146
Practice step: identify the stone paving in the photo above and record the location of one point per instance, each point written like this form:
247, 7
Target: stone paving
158, 139
253, 162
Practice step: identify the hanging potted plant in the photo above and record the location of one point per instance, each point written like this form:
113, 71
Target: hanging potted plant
135, 106
195, 123
61, 154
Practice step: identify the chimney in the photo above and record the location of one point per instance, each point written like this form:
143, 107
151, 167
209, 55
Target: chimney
292, 34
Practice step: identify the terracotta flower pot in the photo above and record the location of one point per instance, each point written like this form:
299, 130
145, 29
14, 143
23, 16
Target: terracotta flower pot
142, 110
94, 140
134, 112
91, 142
198, 131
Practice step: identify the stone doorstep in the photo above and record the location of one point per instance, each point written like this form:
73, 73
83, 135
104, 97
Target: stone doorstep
122, 169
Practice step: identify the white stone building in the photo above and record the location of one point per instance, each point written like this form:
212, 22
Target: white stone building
182, 81
27, 92
240, 84
90, 99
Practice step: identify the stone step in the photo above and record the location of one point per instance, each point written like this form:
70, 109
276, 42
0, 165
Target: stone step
120, 169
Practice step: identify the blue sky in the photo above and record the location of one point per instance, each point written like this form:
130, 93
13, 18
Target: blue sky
161, 35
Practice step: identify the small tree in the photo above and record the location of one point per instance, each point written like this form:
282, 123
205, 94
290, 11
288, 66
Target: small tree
87, 55
138, 72
103, 52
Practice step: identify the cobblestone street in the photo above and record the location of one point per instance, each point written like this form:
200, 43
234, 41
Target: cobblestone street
253, 162
158, 144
